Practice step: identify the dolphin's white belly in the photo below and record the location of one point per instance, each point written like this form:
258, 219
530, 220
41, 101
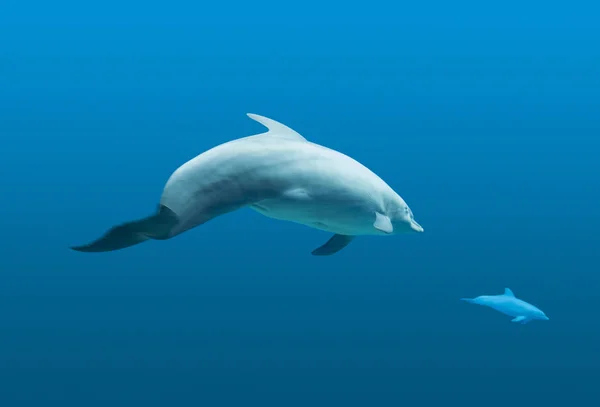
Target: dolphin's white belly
322, 210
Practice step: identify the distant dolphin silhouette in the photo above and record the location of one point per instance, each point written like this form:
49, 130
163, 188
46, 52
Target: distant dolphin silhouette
510, 305
281, 175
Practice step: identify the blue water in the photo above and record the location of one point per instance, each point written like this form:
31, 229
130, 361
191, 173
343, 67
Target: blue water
485, 118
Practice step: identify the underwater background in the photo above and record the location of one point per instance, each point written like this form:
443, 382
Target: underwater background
483, 117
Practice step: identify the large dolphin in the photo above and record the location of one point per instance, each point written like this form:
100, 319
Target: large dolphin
279, 174
508, 304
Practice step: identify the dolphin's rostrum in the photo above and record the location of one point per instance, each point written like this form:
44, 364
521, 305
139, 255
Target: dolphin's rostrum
281, 175
510, 305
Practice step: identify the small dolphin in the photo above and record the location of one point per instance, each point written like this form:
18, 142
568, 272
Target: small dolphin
510, 305
280, 175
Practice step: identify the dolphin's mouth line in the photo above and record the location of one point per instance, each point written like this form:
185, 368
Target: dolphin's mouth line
415, 226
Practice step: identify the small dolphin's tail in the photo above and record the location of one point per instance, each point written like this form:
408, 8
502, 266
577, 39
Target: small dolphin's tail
469, 300
128, 234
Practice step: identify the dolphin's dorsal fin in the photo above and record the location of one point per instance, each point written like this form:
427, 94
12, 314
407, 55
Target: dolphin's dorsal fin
275, 128
508, 292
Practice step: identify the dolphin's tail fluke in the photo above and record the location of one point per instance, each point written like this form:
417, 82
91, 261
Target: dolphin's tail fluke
469, 300
128, 234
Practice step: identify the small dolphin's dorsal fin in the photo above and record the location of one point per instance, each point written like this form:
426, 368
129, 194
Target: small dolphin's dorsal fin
275, 128
508, 292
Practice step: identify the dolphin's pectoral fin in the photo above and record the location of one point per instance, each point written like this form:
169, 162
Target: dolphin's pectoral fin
128, 234
383, 223
333, 245
521, 320
275, 128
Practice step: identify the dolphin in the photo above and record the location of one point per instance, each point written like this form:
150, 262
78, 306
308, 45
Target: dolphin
510, 305
279, 174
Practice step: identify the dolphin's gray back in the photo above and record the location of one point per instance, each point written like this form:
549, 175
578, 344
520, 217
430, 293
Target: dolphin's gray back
223, 179
510, 305
256, 168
